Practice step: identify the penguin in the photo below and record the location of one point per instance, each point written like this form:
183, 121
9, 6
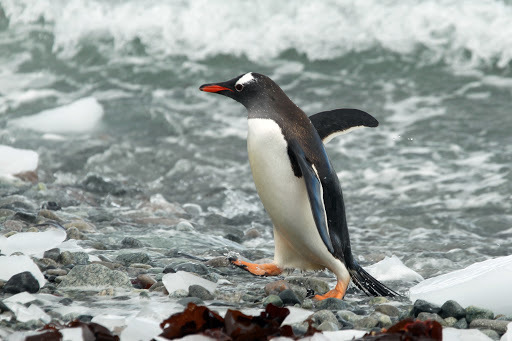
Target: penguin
297, 184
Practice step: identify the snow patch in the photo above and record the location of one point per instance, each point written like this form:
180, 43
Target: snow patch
392, 269
15, 160
485, 284
78, 117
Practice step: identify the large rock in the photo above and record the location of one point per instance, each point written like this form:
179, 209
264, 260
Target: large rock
422, 306
95, 275
453, 309
23, 281
332, 303
498, 326
473, 313
135, 257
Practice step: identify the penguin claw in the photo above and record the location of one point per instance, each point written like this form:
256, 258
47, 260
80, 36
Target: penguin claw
337, 292
268, 269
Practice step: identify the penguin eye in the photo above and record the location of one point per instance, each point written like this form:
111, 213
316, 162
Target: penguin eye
239, 87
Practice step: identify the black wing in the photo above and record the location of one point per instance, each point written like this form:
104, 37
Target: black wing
331, 123
315, 192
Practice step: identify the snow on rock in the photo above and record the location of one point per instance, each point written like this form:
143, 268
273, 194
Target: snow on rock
32, 243
12, 265
78, 117
183, 279
15, 161
392, 269
485, 284
452, 334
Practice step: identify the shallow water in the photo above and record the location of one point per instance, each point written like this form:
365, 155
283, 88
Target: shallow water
431, 185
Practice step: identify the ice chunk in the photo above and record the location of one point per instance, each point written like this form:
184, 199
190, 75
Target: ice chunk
140, 328
114, 323
183, 279
14, 160
340, 335
296, 315
32, 243
78, 117
485, 284
24, 314
23, 298
452, 334
12, 265
392, 269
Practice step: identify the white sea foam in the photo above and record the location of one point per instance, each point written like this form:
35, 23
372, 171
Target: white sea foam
15, 160
78, 117
472, 32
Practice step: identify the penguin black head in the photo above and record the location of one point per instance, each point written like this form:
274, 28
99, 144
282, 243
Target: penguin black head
251, 89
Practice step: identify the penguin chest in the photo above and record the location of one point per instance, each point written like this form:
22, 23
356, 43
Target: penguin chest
283, 194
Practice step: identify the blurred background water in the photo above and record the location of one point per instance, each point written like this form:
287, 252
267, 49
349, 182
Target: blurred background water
432, 184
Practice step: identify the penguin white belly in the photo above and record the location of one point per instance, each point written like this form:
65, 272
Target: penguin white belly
297, 241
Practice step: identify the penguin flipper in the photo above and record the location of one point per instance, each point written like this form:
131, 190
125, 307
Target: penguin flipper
332, 123
315, 192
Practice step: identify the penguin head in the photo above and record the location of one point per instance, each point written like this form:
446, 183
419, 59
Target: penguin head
250, 89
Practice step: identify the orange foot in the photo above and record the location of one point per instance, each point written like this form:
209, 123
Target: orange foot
337, 292
268, 269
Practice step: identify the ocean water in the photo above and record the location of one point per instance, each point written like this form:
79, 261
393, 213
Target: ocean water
431, 185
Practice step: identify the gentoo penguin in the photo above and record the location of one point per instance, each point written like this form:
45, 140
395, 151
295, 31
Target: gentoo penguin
297, 184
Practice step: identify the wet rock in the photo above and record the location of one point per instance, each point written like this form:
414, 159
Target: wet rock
299, 291
384, 320
52, 254
184, 226
81, 225
452, 308
274, 288
450, 321
25, 216
3, 307
307, 304
252, 233
322, 316
186, 300
73, 233
274, 299
367, 322
193, 209
199, 292
180, 293
96, 184
169, 269
332, 303
199, 269
131, 243
95, 275
388, 309
51, 205
289, 297
431, 316
461, 324
378, 300
498, 326
317, 285
66, 301
49, 215
145, 281
46, 263
491, 334
218, 262
328, 326
24, 281
234, 238
347, 315
140, 266
56, 272
13, 225
81, 258
504, 317
473, 313
11, 233
66, 258
135, 257
422, 306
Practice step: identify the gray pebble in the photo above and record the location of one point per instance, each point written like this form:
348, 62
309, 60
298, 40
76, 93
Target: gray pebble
186, 300
384, 320
52, 254
332, 303
184, 226
328, 326
367, 322
74, 233
473, 313
452, 308
135, 257
307, 304
131, 243
388, 309
180, 293
348, 316
450, 321
317, 285
199, 269
461, 324
499, 326
289, 297
193, 209
218, 262
422, 306
199, 292
322, 316
274, 299
23, 281
431, 316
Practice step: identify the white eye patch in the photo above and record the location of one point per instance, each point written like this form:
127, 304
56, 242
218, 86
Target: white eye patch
247, 78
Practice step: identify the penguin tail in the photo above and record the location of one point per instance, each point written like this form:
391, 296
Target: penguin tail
367, 283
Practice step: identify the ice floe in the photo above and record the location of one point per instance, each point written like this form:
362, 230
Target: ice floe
392, 269
182, 280
12, 265
485, 284
78, 117
15, 160
32, 243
